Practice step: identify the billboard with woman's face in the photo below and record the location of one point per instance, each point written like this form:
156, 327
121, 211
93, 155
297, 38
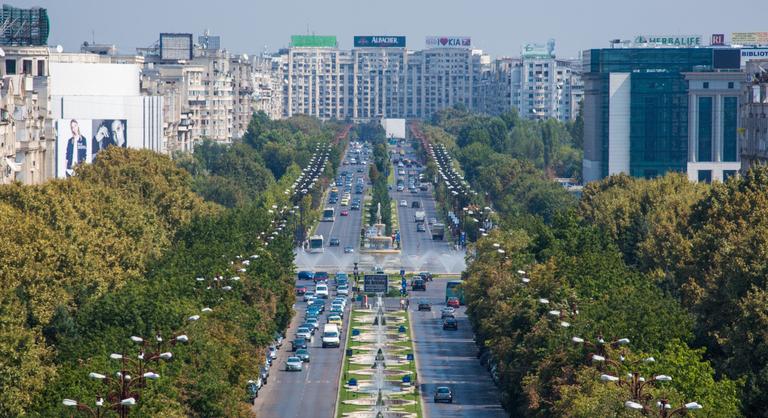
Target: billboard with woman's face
79, 140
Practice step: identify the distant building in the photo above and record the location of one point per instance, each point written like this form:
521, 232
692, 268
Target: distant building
637, 111
754, 111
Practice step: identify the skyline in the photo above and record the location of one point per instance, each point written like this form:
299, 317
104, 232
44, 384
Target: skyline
501, 33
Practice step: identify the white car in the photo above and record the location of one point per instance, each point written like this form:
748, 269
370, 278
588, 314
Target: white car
321, 290
342, 290
309, 296
403, 203
273, 352
293, 364
304, 333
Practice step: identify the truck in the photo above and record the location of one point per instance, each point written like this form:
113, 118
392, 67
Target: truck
420, 216
438, 231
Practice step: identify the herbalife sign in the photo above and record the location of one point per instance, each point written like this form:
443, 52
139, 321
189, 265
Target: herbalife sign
669, 40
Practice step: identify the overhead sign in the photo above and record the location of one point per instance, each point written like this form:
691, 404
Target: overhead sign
375, 283
449, 42
379, 41
718, 39
749, 38
669, 40
753, 54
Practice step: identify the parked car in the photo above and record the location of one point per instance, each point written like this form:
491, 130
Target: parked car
264, 374
293, 364
450, 323
424, 306
443, 394
278, 340
453, 302
272, 352
303, 354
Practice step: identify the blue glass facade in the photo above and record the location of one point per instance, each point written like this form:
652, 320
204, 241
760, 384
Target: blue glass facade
730, 127
704, 141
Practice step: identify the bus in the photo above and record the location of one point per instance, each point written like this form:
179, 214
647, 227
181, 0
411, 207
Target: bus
453, 289
329, 214
316, 244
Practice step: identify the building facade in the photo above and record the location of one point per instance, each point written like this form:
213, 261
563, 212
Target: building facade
636, 107
754, 111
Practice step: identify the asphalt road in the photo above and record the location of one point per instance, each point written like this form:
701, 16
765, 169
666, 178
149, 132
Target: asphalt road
448, 358
312, 391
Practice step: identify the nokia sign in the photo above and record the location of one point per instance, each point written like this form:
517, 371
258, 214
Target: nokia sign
449, 42
379, 41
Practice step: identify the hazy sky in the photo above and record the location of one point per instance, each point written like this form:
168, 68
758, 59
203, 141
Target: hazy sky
498, 27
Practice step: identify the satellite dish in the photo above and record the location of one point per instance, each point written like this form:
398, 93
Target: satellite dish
2, 52
59, 49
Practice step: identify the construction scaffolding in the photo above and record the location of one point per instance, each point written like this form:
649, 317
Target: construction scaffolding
24, 27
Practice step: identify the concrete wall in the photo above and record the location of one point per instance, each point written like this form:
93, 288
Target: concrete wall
77, 79
394, 127
619, 93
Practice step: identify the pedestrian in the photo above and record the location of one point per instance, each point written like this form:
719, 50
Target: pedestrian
402, 304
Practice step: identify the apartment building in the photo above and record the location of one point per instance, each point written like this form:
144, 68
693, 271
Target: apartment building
754, 111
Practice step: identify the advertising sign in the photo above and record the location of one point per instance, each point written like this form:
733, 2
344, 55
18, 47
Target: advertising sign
79, 140
753, 54
537, 51
718, 39
379, 41
176, 46
669, 40
375, 283
749, 38
313, 41
449, 42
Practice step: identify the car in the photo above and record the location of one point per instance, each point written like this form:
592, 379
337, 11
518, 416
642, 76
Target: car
427, 276
443, 394
298, 343
306, 275
414, 190
400, 188
418, 284
309, 325
278, 340
303, 354
432, 221
301, 290
403, 203
334, 242
348, 250
321, 290
342, 290
253, 388
450, 323
344, 212
334, 319
313, 322
424, 306
272, 351
309, 296
355, 206
344, 202
446, 312
321, 276
416, 204
453, 302
420, 227
360, 169
293, 364
340, 275
264, 374
305, 333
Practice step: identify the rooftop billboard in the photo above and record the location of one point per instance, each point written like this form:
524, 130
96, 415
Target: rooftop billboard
176, 46
669, 40
749, 38
449, 42
379, 41
313, 41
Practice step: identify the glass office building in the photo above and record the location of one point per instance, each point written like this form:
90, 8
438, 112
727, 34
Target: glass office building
637, 113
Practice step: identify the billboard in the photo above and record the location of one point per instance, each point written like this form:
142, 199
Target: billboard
669, 40
753, 54
749, 38
448, 42
379, 41
375, 283
79, 140
718, 39
176, 46
313, 41
538, 50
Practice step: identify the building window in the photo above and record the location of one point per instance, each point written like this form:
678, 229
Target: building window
706, 84
10, 67
730, 124
705, 176
730, 84
27, 67
704, 141
728, 174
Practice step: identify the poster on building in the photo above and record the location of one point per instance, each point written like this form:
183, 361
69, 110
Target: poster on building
73, 145
749, 38
107, 133
379, 41
669, 40
448, 42
753, 54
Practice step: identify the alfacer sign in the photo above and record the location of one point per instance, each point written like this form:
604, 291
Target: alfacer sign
379, 41
449, 42
669, 40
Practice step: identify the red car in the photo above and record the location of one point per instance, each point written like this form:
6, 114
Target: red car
301, 290
453, 303
344, 212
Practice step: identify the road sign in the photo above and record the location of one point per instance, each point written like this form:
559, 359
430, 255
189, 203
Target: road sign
375, 283
402, 272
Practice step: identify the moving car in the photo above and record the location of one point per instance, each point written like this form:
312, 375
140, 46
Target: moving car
305, 333
450, 323
331, 335
418, 284
344, 212
443, 394
334, 242
309, 296
453, 302
348, 250
404, 203
416, 204
334, 319
321, 276
293, 364
447, 312
303, 354
421, 228
298, 343
321, 290
301, 290
342, 290
306, 275
424, 306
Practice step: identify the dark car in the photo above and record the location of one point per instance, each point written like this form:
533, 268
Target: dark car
298, 343
443, 394
416, 204
424, 306
306, 275
334, 242
321, 276
426, 275
418, 284
450, 323
420, 227
264, 373
301, 290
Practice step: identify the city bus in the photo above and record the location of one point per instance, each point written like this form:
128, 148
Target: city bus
453, 289
316, 244
329, 214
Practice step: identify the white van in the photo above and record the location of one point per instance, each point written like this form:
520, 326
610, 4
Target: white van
321, 291
331, 336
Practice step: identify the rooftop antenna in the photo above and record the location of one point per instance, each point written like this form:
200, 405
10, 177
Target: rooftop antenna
93, 37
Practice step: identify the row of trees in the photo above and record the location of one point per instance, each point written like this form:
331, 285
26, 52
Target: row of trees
675, 267
115, 251
378, 172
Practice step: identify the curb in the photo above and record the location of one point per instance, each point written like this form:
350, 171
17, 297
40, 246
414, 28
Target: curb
341, 369
416, 361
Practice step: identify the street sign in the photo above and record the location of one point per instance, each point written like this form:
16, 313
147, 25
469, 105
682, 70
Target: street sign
402, 272
375, 283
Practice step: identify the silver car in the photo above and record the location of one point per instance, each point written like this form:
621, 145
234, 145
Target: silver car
293, 364
304, 333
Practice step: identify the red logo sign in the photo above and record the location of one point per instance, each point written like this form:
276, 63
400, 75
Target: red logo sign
718, 39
